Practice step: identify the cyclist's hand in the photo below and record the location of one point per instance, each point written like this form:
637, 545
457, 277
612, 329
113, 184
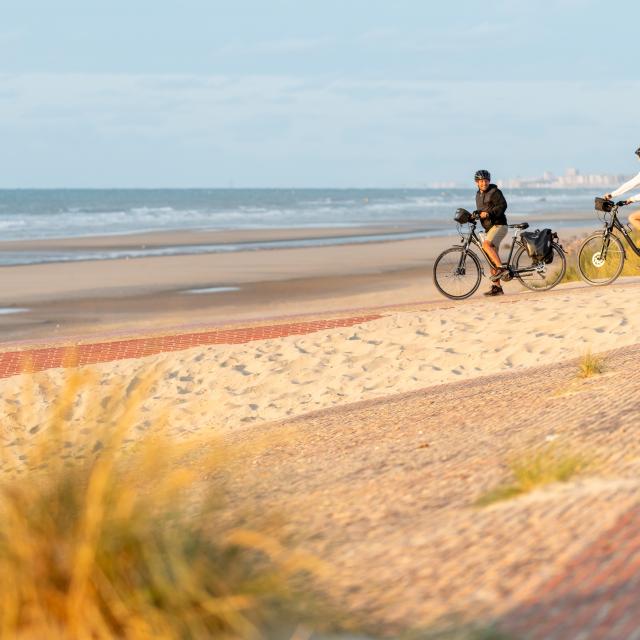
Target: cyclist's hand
484, 214
608, 196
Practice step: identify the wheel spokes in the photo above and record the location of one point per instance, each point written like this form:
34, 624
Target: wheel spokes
456, 274
600, 259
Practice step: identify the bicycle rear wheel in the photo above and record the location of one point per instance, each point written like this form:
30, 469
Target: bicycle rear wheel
457, 273
542, 276
600, 259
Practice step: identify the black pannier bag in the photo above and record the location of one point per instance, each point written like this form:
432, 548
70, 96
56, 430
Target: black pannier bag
539, 245
604, 205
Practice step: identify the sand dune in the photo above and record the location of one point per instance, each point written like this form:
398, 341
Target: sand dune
229, 387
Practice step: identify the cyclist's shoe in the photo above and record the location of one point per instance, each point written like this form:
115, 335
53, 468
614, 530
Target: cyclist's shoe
499, 273
495, 290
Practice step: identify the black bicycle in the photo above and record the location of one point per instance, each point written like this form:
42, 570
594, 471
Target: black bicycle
601, 256
457, 272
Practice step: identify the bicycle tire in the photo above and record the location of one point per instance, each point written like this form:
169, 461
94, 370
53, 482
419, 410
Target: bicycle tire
590, 264
547, 277
449, 275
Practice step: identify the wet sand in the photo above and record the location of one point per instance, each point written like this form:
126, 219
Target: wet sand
95, 296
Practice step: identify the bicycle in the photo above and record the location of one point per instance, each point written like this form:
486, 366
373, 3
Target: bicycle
457, 272
601, 256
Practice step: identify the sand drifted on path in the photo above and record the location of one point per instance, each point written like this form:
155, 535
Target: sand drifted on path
230, 386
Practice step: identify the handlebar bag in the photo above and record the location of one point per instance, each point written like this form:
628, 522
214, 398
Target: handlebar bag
603, 205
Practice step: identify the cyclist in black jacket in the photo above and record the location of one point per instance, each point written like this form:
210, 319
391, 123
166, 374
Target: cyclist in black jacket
491, 206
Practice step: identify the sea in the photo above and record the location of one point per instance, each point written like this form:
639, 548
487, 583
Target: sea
73, 213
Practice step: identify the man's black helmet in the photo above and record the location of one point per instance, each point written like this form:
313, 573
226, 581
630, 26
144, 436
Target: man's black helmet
482, 174
638, 152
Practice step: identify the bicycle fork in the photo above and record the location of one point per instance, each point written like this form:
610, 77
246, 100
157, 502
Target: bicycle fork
606, 241
461, 271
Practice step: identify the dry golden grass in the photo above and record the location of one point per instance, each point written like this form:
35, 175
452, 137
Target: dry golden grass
590, 365
543, 467
632, 262
571, 274
105, 535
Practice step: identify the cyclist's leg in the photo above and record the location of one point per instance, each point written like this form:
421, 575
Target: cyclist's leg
491, 245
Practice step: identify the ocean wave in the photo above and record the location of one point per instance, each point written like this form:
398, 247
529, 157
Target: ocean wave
34, 214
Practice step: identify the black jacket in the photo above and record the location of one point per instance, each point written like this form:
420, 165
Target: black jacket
494, 203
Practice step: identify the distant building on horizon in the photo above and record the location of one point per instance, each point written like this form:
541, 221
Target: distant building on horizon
446, 184
572, 179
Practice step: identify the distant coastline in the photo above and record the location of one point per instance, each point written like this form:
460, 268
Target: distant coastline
571, 179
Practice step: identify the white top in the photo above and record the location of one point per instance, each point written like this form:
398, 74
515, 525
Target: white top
627, 186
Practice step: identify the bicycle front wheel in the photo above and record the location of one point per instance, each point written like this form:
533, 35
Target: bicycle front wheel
539, 275
600, 259
457, 273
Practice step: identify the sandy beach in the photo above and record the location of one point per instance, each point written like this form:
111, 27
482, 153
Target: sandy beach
228, 387
68, 298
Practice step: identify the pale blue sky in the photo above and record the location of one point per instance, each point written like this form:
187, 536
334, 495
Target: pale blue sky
317, 93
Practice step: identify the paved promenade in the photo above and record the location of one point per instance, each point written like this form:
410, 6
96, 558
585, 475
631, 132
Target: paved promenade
596, 595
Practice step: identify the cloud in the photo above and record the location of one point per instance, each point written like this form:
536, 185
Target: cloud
437, 38
274, 130
285, 46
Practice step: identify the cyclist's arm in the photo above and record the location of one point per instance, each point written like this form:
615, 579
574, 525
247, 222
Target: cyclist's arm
627, 186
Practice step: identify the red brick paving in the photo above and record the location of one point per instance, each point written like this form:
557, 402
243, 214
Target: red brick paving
596, 596
32, 360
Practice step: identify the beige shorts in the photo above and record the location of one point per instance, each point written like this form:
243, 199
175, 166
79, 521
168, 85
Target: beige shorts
497, 234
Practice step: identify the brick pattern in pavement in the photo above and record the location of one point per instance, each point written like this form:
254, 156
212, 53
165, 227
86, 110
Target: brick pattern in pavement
32, 360
595, 596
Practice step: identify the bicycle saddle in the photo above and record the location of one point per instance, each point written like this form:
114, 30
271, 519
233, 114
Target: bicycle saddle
522, 225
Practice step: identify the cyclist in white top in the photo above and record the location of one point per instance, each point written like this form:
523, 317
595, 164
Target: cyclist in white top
634, 218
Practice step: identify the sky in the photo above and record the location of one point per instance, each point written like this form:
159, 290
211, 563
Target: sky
314, 93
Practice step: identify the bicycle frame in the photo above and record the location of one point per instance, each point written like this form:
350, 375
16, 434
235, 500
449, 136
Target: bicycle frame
471, 237
614, 223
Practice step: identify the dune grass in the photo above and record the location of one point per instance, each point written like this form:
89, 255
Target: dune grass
531, 471
590, 365
103, 534
571, 274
